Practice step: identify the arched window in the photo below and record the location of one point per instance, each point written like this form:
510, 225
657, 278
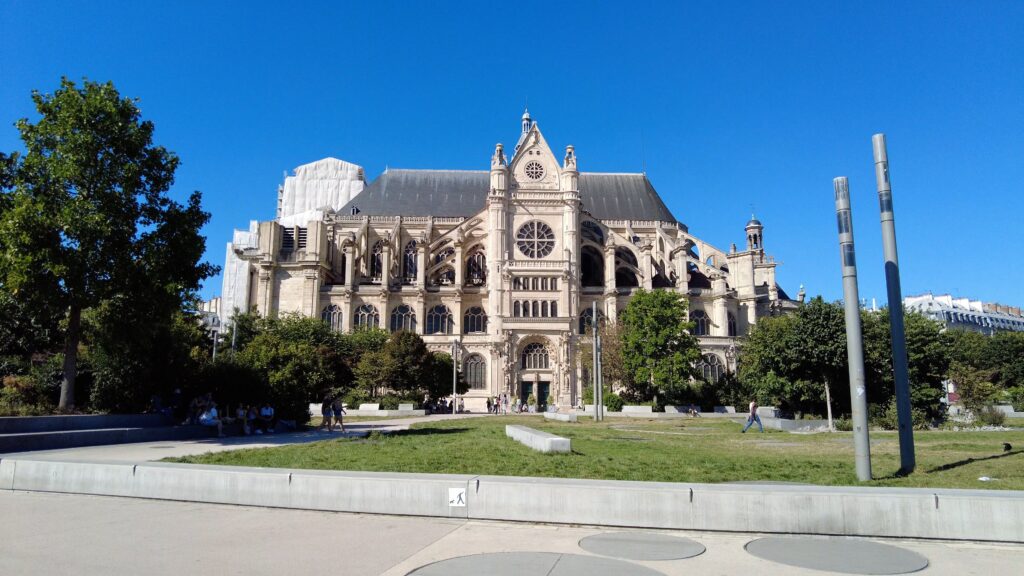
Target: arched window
587, 320
554, 309
445, 276
476, 269
700, 322
439, 320
711, 368
409, 263
474, 369
475, 321
332, 317
535, 310
377, 261
544, 309
403, 318
592, 231
517, 309
626, 255
625, 278
535, 357
366, 316
591, 267
732, 324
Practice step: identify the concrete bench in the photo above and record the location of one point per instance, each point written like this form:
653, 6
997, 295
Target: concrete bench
638, 409
369, 407
560, 416
725, 409
767, 412
537, 440
680, 409
405, 407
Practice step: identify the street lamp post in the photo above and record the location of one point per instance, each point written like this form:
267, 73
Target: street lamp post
455, 373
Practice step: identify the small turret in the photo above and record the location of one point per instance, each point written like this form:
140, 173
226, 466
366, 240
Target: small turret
527, 122
755, 238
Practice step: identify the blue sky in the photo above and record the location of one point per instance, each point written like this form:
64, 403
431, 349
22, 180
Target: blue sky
732, 107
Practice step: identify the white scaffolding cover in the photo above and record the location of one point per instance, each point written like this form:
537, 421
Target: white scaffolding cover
326, 184
235, 287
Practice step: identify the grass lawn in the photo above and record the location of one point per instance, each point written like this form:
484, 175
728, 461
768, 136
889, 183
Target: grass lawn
698, 450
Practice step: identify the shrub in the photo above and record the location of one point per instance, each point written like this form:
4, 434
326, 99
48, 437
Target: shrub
613, 402
843, 424
25, 396
886, 418
531, 400
990, 416
1015, 396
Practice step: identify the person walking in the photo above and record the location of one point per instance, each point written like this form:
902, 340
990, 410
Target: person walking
338, 407
326, 413
753, 417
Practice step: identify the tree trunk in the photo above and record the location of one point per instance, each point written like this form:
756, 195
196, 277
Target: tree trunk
67, 385
828, 406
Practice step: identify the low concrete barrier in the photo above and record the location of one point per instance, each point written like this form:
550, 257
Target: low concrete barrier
725, 410
406, 407
990, 515
29, 424
539, 441
314, 410
560, 416
369, 407
637, 409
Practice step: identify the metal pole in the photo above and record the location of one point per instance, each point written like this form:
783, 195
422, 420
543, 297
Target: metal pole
892, 284
455, 399
854, 337
597, 365
234, 333
215, 345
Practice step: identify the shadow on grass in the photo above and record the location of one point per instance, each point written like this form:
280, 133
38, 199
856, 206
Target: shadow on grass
960, 463
427, 431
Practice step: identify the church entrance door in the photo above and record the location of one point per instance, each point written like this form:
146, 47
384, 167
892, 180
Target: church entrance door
543, 388
525, 389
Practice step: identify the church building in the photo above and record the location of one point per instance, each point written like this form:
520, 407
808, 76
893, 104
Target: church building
501, 265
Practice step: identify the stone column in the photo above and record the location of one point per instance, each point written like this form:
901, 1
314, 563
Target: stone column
460, 265
311, 289
457, 312
719, 310
348, 310
646, 267
609, 267
421, 311
348, 252
265, 291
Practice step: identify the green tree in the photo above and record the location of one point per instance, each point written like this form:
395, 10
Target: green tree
409, 357
658, 351
1004, 353
300, 359
88, 217
613, 369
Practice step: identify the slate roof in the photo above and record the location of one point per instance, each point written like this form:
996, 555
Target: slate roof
464, 193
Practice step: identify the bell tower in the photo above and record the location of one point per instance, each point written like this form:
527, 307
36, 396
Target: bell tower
755, 237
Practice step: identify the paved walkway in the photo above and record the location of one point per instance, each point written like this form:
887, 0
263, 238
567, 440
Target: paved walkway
59, 534
149, 451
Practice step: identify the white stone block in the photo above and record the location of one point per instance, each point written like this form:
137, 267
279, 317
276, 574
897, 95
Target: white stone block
537, 440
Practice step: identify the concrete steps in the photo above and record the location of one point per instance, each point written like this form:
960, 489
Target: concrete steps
29, 433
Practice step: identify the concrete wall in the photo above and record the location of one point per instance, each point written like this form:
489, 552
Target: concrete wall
891, 512
26, 424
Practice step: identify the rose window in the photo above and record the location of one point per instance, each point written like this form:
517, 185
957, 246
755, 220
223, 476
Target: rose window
534, 170
535, 239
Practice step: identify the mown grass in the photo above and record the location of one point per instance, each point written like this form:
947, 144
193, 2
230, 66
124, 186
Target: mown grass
699, 450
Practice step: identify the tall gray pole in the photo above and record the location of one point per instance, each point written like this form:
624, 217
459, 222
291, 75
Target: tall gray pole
455, 373
892, 284
597, 365
854, 337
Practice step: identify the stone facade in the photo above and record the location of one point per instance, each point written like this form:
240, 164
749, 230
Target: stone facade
506, 264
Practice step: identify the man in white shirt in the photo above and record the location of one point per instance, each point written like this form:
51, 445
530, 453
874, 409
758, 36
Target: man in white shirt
753, 417
211, 418
267, 418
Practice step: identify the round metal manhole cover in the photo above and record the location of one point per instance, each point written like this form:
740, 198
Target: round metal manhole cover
532, 564
845, 555
642, 546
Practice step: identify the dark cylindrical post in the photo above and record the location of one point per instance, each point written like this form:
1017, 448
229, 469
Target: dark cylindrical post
854, 337
892, 283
